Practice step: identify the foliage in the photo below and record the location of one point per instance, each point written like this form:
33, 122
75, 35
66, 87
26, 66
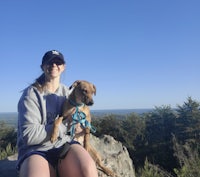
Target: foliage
149, 135
8, 138
189, 110
189, 160
9, 150
150, 170
157, 144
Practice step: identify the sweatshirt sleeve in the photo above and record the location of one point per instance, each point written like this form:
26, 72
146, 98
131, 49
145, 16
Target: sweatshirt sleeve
31, 126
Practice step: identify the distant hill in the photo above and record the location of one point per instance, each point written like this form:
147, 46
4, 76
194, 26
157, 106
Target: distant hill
11, 117
118, 111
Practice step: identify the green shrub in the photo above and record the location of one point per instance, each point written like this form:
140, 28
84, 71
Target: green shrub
189, 160
9, 150
150, 170
8, 138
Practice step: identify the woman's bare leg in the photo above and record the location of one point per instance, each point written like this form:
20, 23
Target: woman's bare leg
77, 163
36, 166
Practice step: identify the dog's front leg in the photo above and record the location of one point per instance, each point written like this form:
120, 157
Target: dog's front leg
87, 139
55, 130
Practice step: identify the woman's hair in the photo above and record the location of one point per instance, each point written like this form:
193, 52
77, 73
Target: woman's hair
40, 82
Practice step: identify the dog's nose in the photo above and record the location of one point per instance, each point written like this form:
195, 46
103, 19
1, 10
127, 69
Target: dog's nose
90, 103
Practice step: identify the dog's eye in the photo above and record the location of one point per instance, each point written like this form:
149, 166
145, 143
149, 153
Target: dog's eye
84, 91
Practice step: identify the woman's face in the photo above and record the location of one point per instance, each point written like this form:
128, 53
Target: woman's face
54, 68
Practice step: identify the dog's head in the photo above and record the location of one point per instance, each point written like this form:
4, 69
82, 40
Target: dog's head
83, 92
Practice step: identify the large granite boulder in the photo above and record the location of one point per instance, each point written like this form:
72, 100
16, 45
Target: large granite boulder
115, 156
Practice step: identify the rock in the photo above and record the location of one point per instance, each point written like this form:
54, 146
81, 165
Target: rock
8, 167
115, 156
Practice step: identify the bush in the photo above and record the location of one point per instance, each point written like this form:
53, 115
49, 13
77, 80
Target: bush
9, 150
151, 170
8, 139
189, 160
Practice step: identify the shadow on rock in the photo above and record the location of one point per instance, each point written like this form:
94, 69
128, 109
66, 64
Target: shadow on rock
8, 168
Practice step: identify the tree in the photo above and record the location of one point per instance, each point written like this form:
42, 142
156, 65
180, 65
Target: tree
189, 110
188, 122
160, 123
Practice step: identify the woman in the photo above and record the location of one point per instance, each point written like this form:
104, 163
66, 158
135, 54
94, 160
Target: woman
38, 107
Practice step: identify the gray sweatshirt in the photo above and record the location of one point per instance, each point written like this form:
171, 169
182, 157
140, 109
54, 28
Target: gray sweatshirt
36, 114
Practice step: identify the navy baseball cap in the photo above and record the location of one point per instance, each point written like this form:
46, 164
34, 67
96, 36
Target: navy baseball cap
52, 54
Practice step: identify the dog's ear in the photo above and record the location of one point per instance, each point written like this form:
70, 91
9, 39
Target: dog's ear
95, 90
77, 82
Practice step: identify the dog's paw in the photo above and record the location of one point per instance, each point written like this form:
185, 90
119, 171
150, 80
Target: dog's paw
111, 173
53, 138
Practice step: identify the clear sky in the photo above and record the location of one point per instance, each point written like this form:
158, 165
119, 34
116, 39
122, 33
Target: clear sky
138, 53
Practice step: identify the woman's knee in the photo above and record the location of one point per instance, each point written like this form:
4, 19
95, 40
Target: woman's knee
89, 167
35, 166
79, 159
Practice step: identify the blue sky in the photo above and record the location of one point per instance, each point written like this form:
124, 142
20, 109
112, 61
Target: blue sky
138, 53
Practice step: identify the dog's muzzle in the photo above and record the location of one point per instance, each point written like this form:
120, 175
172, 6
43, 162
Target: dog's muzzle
90, 103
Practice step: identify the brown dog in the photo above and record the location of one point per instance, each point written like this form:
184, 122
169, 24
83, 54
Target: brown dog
80, 98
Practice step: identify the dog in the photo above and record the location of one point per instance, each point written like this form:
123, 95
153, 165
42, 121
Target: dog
79, 101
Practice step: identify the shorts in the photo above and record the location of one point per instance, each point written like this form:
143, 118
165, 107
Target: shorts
52, 155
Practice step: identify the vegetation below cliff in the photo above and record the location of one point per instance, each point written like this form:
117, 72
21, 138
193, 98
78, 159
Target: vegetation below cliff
163, 142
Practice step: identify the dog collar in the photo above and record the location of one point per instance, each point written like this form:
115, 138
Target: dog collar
75, 104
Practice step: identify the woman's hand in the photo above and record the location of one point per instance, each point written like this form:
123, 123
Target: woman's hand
78, 129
